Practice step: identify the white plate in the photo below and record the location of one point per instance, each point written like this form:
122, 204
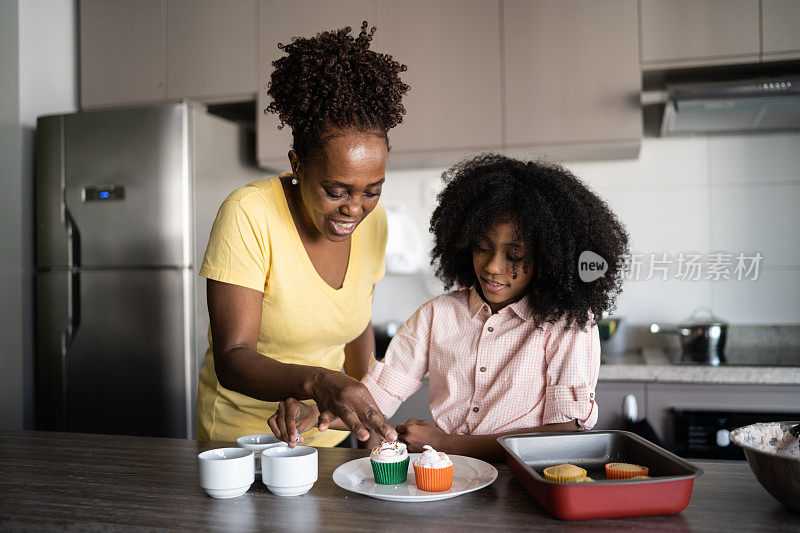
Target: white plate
468, 475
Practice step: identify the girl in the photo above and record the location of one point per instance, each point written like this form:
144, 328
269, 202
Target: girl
517, 351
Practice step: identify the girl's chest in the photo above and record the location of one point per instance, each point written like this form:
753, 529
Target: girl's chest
506, 352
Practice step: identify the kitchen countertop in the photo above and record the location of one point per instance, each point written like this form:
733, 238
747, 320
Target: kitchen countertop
653, 365
70, 480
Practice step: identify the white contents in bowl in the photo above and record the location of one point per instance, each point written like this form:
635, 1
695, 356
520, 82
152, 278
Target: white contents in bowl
772, 437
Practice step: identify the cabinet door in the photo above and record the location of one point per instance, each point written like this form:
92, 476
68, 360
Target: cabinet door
572, 72
609, 396
122, 52
279, 22
451, 48
697, 32
211, 49
780, 21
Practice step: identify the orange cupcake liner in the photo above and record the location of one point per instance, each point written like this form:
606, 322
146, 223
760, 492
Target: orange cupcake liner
433, 479
612, 473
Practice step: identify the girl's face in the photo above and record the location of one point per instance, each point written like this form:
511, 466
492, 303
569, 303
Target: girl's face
502, 265
340, 188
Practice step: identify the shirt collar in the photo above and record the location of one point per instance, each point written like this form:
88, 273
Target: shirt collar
476, 304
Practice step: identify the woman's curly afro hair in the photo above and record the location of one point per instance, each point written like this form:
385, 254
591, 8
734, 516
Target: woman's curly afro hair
556, 216
333, 80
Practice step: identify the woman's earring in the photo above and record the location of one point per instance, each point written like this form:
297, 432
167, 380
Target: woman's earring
294, 181
294, 176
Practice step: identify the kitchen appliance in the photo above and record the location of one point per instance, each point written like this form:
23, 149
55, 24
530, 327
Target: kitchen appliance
125, 202
702, 340
668, 492
735, 106
705, 434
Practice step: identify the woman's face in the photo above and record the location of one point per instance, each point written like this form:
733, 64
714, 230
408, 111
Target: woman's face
502, 265
341, 187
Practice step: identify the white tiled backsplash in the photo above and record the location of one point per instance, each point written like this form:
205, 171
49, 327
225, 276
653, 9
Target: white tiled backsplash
695, 195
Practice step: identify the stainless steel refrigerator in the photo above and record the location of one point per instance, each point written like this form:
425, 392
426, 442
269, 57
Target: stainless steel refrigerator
125, 201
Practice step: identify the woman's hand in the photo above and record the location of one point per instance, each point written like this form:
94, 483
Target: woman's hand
340, 396
417, 433
292, 418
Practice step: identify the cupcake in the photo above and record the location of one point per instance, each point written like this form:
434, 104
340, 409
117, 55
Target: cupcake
583, 479
389, 463
433, 470
562, 473
625, 470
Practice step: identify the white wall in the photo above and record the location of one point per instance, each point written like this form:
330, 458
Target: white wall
698, 194
38, 59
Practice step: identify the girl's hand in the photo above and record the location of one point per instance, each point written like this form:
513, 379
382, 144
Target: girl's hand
417, 433
292, 418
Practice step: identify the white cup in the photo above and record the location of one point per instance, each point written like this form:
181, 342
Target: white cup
289, 471
226, 472
259, 443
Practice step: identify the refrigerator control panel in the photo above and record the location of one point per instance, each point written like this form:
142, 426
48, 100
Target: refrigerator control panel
99, 193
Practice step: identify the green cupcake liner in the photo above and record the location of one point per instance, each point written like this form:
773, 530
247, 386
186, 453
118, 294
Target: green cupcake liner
390, 473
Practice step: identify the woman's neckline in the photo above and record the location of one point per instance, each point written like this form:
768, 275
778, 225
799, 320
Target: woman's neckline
295, 236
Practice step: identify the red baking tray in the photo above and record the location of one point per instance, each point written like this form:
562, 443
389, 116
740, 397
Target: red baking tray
668, 492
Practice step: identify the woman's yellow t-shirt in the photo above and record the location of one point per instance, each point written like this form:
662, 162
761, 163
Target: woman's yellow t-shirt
254, 243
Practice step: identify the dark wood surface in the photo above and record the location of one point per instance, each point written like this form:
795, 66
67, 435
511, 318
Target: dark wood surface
89, 482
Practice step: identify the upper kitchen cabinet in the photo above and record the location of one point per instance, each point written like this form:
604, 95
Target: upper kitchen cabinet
122, 52
151, 51
452, 50
279, 22
572, 78
780, 26
686, 33
211, 49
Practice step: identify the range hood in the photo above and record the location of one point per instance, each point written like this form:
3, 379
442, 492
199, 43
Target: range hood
755, 105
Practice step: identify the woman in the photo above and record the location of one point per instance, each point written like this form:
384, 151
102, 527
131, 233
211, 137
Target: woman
292, 260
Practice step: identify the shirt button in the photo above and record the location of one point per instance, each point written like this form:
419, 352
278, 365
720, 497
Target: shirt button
483, 369
490, 329
474, 409
591, 395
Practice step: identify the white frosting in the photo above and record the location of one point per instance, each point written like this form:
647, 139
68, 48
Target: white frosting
389, 452
430, 458
773, 438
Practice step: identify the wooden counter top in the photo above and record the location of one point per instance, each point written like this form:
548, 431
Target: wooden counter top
57, 480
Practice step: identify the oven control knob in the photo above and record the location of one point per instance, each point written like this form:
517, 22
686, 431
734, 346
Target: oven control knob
723, 437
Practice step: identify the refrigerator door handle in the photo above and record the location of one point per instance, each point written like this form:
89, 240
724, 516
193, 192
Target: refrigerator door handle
73, 282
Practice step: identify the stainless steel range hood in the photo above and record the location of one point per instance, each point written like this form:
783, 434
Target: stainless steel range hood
756, 105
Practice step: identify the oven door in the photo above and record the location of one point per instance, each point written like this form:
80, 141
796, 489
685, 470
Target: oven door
706, 434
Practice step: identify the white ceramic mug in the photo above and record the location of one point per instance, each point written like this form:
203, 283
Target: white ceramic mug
258, 443
289, 471
226, 472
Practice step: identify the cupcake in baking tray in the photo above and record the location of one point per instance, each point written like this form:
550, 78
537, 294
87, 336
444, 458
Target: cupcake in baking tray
433, 470
389, 462
625, 471
563, 473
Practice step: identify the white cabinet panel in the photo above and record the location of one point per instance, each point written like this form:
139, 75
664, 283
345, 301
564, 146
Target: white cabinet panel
572, 72
122, 52
699, 31
211, 48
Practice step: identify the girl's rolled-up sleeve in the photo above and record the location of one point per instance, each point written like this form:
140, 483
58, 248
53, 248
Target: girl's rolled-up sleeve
573, 366
400, 374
